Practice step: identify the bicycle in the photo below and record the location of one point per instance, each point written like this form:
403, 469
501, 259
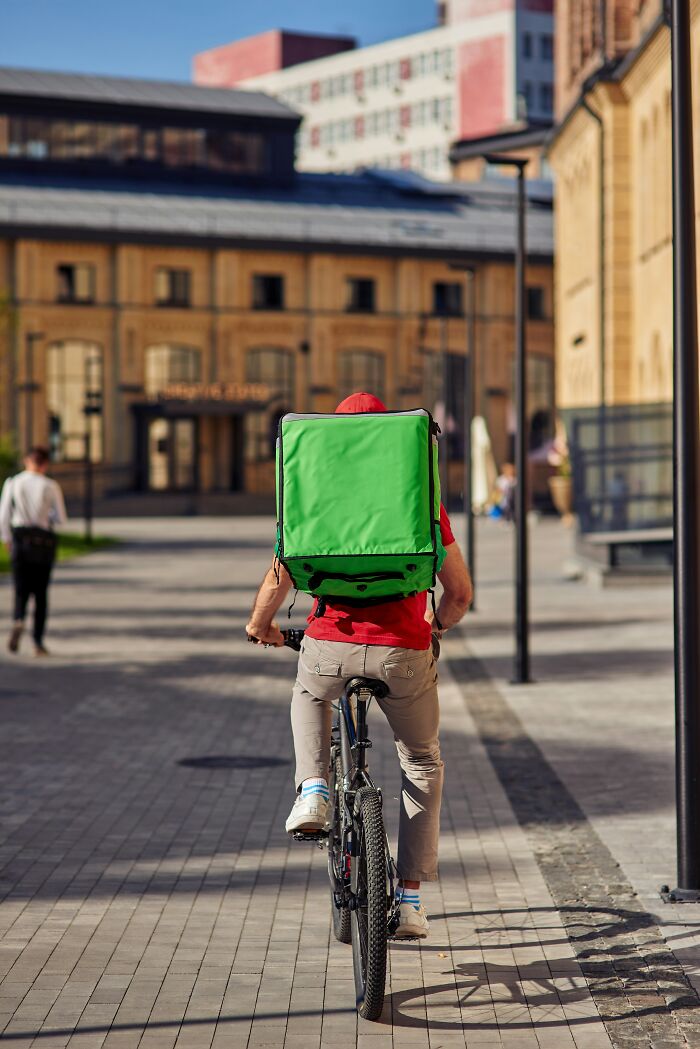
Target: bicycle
361, 870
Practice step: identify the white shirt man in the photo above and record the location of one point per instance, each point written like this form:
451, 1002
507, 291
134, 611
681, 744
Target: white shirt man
30, 500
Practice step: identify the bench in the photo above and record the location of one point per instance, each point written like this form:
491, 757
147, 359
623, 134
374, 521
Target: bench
614, 540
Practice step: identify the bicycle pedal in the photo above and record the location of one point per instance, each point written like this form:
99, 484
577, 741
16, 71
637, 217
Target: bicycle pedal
315, 835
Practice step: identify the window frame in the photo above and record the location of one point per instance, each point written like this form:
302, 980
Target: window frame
451, 288
173, 275
361, 295
72, 297
262, 302
536, 294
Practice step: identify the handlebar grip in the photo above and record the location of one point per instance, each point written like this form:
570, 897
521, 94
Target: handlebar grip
292, 639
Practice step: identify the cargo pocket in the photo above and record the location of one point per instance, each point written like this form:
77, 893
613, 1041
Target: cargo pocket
319, 673
405, 673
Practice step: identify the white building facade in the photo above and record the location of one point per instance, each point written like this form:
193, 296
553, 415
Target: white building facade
401, 103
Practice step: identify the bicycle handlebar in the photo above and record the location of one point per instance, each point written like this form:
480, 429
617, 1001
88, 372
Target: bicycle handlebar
292, 638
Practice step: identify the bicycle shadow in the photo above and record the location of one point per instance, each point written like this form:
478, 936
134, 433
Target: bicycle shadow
485, 988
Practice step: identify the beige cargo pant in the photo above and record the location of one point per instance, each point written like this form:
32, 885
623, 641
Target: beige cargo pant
411, 708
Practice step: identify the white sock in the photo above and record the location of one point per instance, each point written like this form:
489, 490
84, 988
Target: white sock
314, 786
410, 896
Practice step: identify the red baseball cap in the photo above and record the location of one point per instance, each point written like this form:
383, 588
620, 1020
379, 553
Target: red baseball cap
360, 402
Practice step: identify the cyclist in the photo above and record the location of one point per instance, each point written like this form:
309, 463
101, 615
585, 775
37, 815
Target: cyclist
392, 642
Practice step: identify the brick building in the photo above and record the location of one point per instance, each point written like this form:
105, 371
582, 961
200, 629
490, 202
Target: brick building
160, 255
401, 103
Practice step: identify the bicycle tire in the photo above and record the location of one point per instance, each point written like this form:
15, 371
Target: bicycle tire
340, 915
369, 916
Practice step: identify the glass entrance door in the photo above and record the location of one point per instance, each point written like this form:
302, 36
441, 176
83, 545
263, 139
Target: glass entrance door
172, 448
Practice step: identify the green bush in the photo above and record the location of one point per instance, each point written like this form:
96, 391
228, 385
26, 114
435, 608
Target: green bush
9, 459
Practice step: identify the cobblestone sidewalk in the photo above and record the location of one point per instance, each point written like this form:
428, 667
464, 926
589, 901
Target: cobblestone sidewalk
150, 901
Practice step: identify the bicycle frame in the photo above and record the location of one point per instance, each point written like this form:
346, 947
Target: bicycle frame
354, 744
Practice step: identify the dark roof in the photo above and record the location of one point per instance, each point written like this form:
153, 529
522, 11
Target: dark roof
514, 138
371, 212
130, 91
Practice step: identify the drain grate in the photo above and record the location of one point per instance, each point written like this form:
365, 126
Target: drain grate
232, 761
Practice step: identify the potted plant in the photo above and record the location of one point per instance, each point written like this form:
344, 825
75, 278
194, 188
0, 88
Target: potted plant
561, 484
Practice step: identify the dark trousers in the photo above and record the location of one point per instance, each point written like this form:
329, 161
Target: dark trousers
31, 579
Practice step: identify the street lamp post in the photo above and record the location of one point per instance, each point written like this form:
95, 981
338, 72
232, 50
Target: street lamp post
686, 467
470, 380
521, 675
92, 407
445, 386
30, 338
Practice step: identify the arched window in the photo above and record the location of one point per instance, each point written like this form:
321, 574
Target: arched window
361, 371
275, 369
165, 364
74, 379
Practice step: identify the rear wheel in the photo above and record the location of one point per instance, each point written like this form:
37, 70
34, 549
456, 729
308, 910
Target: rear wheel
336, 856
369, 916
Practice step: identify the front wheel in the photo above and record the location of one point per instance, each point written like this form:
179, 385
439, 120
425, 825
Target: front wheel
369, 915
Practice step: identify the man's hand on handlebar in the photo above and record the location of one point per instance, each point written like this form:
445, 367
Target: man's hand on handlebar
270, 635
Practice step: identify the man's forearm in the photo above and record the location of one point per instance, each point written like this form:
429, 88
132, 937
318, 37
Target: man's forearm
452, 609
270, 599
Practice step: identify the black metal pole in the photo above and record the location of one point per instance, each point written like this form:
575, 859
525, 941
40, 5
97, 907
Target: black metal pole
444, 381
521, 674
522, 656
29, 386
87, 504
469, 413
686, 465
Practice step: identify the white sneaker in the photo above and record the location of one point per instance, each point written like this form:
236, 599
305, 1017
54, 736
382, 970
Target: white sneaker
308, 814
412, 922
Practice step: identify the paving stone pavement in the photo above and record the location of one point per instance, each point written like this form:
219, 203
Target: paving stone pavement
146, 902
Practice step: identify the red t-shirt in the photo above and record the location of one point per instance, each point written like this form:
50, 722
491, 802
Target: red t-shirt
400, 624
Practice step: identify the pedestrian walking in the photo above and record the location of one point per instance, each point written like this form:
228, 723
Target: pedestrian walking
505, 486
31, 505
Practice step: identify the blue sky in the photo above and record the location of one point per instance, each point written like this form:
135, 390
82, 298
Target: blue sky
157, 38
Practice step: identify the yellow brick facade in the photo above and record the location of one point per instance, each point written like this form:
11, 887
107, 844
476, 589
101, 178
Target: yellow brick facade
124, 323
636, 198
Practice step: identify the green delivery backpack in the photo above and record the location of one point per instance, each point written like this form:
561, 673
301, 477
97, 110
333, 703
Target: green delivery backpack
358, 504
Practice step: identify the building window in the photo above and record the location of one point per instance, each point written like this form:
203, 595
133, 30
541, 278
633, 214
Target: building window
275, 369
535, 304
527, 45
234, 151
547, 47
75, 282
172, 287
361, 370
165, 365
360, 295
447, 299
133, 145
546, 98
73, 378
527, 96
268, 291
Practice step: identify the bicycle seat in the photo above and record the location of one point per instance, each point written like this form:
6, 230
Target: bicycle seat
370, 684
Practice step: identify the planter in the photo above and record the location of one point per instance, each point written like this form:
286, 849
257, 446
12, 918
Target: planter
562, 492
